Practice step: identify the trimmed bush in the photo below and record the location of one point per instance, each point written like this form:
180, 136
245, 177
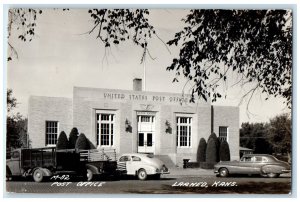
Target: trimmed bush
62, 141
73, 138
81, 142
217, 142
206, 165
211, 151
201, 152
224, 151
90, 144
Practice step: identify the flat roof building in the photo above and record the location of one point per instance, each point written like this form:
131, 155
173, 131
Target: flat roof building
165, 124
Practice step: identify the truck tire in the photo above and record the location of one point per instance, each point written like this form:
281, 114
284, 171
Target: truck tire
142, 174
89, 175
38, 175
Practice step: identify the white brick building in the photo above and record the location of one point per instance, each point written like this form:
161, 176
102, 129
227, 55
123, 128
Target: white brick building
133, 121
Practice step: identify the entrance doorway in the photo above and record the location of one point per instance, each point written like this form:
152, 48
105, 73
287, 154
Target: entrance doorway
146, 133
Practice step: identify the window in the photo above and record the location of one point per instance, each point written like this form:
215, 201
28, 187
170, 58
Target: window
125, 158
184, 131
135, 158
223, 133
51, 132
105, 129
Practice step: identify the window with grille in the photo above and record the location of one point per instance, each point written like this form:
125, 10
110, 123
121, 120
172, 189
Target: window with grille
223, 133
51, 132
105, 129
184, 131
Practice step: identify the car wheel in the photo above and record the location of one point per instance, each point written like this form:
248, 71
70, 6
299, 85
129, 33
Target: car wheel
89, 175
142, 175
38, 175
223, 172
273, 175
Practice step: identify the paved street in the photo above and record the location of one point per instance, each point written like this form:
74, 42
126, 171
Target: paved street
168, 184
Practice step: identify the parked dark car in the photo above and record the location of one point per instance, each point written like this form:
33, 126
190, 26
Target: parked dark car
263, 164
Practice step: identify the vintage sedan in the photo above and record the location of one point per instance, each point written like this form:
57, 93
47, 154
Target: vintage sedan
251, 164
141, 165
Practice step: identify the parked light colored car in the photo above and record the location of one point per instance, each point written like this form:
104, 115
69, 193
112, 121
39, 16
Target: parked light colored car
141, 165
263, 164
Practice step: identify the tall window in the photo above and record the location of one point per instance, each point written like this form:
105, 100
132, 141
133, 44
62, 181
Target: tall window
184, 131
223, 133
51, 132
105, 129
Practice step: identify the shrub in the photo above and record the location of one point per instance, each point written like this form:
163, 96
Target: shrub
201, 152
224, 151
90, 144
206, 165
217, 142
211, 151
73, 138
81, 142
62, 141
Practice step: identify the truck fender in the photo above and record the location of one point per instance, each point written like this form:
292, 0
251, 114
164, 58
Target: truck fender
46, 172
93, 168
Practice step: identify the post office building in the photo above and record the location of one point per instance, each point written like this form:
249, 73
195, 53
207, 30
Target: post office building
165, 124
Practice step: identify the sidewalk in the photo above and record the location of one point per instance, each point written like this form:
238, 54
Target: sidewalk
190, 172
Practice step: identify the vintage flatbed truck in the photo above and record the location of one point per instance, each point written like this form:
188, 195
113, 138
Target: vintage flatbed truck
44, 162
41, 163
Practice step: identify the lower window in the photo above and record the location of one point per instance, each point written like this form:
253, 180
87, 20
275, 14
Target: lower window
105, 129
51, 132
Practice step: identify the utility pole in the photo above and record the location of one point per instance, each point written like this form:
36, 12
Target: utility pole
144, 79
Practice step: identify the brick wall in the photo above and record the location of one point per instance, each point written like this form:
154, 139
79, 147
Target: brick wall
42, 109
228, 116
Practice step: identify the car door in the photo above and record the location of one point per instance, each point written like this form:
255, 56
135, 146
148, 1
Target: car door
256, 165
14, 163
123, 163
245, 166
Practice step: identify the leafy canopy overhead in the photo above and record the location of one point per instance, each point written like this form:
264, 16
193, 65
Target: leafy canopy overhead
257, 44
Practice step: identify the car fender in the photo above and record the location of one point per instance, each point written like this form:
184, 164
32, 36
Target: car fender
150, 170
93, 168
46, 172
271, 169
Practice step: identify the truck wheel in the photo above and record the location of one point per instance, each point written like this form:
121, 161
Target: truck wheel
142, 175
89, 175
273, 175
223, 172
38, 175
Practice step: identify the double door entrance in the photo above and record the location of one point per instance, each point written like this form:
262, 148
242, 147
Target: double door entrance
146, 133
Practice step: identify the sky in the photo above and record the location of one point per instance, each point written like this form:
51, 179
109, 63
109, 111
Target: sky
62, 55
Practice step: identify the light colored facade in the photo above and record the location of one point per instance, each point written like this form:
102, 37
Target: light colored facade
133, 121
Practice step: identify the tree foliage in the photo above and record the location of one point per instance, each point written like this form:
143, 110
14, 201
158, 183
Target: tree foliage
211, 151
16, 126
257, 44
254, 44
73, 138
10, 100
224, 151
201, 152
279, 132
217, 142
254, 136
62, 141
